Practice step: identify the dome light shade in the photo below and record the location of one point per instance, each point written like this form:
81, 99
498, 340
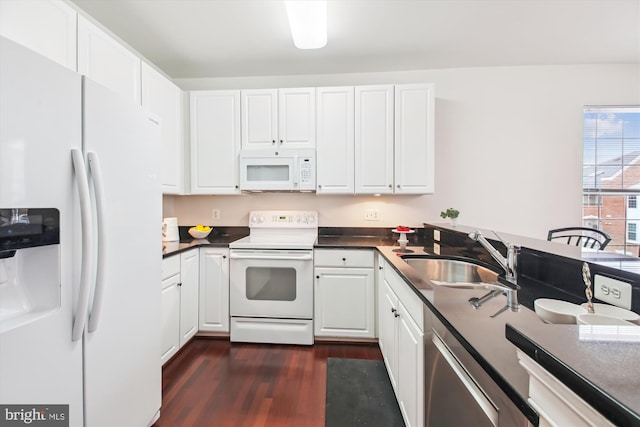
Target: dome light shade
308, 22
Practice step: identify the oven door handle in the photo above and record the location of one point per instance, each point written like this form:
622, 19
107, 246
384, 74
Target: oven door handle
273, 256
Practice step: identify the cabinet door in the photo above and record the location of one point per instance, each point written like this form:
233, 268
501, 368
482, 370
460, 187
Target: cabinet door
374, 139
106, 61
214, 290
215, 142
410, 369
414, 139
259, 119
170, 301
335, 140
297, 118
189, 273
387, 330
163, 98
344, 302
44, 26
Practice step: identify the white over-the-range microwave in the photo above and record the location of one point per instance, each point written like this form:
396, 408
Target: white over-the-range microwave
278, 170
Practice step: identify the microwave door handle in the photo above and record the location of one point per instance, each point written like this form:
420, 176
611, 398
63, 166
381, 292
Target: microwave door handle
295, 170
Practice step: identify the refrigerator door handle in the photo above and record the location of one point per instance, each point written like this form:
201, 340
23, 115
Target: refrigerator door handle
98, 186
87, 243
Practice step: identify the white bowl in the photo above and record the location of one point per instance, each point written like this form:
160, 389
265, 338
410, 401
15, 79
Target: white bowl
197, 234
613, 311
599, 319
557, 311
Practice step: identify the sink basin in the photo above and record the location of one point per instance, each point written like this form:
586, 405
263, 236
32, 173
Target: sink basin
452, 272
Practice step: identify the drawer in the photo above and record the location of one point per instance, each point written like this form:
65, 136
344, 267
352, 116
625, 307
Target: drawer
170, 266
343, 258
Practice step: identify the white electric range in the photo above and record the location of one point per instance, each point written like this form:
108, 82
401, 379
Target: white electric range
271, 278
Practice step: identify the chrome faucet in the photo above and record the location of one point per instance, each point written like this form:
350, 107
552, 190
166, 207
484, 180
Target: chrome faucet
508, 264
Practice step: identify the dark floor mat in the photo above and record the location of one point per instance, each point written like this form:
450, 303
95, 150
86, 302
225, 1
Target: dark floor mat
359, 393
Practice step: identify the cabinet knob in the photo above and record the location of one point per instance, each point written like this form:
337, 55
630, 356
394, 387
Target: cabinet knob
379, 267
280, 141
390, 186
344, 259
236, 186
317, 277
180, 284
224, 257
393, 310
398, 186
273, 142
396, 314
319, 186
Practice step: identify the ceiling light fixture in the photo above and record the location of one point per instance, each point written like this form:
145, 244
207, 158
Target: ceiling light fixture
308, 22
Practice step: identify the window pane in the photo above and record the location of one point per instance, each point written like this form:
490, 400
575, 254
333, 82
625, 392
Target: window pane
611, 170
631, 177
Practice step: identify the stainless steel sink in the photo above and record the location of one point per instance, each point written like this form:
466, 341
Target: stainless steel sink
452, 272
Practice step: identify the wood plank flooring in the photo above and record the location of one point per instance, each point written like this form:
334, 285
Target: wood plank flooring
217, 383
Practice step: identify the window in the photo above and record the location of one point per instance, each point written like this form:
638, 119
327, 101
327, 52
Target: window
611, 174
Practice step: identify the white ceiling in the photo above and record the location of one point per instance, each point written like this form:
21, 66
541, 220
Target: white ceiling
222, 38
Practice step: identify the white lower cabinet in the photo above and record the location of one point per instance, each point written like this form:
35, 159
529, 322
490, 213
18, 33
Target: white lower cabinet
344, 299
401, 340
214, 290
189, 275
170, 317
179, 301
555, 403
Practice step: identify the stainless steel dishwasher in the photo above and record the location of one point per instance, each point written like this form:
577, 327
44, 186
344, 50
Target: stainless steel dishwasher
458, 392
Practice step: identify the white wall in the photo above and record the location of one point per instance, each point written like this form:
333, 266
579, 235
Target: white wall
508, 149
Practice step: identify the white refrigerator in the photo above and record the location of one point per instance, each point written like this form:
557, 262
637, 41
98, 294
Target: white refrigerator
79, 319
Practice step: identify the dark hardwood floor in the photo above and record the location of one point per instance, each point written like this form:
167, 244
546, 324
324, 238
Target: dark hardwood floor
217, 383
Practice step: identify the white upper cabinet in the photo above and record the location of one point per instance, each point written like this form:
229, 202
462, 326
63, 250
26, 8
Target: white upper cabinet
215, 142
163, 98
278, 118
414, 139
44, 26
106, 61
374, 139
335, 140
297, 118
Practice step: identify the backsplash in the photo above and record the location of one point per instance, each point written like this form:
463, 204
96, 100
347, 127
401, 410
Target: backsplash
540, 274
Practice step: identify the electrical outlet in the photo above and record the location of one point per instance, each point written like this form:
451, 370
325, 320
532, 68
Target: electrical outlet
436, 235
371, 215
215, 214
613, 291
436, 249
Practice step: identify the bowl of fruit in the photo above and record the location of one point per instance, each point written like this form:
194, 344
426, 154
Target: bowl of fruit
200, 231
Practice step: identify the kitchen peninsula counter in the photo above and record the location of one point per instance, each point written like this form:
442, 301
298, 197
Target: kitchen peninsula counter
581, 365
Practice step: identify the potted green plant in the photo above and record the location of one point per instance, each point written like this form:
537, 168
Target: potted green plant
452, 214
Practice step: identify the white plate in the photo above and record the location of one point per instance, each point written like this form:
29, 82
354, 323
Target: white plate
613, 311
557, 311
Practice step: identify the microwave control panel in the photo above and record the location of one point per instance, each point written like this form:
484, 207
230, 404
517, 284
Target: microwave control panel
306, 171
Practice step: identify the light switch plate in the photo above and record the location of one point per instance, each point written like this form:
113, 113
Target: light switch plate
371, 215
612, 291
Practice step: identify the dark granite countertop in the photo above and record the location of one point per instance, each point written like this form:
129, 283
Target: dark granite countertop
219, 237
603, 373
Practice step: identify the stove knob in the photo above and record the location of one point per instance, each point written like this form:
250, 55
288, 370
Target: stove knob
298, 219
309, 219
